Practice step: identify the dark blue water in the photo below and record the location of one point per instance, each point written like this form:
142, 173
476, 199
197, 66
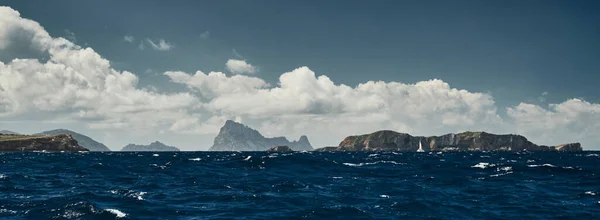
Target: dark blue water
204, 185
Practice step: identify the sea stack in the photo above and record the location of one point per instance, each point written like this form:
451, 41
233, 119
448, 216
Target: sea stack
235, 136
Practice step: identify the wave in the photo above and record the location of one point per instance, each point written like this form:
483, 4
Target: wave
117, 213
372, 163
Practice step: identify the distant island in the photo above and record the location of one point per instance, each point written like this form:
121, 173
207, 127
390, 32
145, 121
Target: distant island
466, 141
48, 143
154, 146
83, 140
235, 136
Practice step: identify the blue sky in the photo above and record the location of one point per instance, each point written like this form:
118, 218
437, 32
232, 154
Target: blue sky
537, 52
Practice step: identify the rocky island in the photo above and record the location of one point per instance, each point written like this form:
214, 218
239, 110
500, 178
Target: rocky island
83, 140
30, 143
154, 146
466, 141
234, 136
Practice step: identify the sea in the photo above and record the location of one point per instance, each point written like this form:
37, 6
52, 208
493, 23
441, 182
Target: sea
300, 185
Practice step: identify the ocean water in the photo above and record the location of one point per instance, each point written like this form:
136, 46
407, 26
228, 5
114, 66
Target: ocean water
313, 185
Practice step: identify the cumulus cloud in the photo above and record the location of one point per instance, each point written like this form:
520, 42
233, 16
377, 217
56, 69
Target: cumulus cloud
239, 66
128, 38
161, 45
574, 120
303, 103
77, 84
216, 83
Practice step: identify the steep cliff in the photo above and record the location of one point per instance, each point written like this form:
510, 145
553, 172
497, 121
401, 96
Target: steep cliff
466, 141
154, 146
27, 143
234, 136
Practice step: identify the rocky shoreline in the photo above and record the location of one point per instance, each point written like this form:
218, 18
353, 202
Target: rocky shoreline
31, 143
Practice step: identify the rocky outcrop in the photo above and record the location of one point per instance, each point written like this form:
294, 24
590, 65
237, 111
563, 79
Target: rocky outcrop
29, 143
280, 149
234, 136
569, 147
466, 141
154, 146
83, 140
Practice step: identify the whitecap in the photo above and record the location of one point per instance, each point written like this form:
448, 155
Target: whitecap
139, 195
384, 196
118, 213
155, 155
337, 177
8, 211
2, 176
504, 169
501, 174
373, 163
543, 165
592, 155
247, 158
483, 165
530, 161
591, 193
196, 159
373, 155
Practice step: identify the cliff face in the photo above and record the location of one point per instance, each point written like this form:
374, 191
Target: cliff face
83, 140
154, 146
28, 143
234, 136
466, 141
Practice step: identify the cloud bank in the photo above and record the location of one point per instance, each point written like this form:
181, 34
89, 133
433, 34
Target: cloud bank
78, 85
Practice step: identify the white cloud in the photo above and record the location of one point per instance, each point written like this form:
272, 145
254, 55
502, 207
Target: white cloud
306, 104
239, 66
205, 35
216, 83
161, 45
574, 120
77, 84
128, 38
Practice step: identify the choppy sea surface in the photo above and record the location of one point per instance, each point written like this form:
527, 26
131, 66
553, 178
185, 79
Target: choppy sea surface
314, 185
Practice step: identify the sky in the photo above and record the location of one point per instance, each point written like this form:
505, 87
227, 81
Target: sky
174, 71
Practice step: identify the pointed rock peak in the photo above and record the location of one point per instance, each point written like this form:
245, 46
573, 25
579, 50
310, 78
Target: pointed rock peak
231, 123
303, 138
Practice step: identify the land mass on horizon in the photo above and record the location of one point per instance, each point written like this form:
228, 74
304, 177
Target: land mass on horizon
234, 136
387, 140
